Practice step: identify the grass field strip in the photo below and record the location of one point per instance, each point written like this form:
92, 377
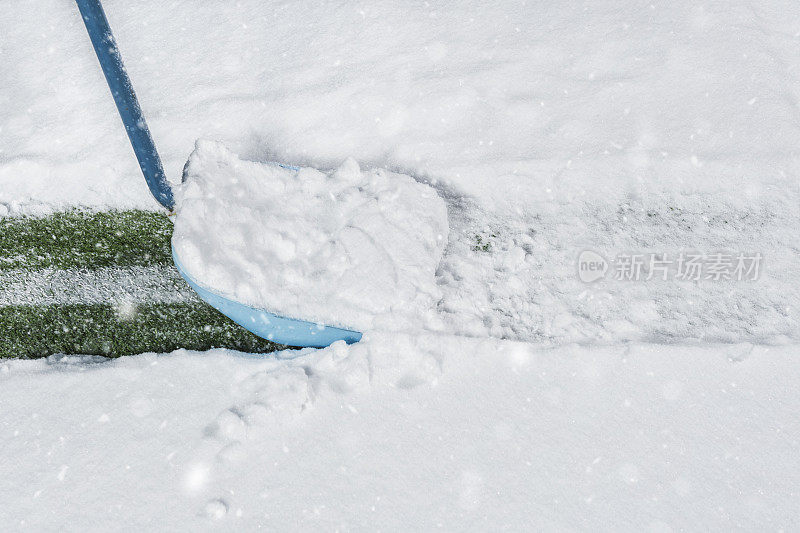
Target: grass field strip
85, 282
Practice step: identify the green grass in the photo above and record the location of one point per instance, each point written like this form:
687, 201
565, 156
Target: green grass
86, 241
38, 331
482, 243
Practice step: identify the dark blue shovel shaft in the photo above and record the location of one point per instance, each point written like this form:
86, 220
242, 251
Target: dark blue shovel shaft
105, 46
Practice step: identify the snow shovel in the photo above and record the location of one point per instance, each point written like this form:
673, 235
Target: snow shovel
261, 322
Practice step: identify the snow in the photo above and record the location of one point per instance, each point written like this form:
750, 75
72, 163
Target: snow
548, 129
406, 432
346, 249
555, 128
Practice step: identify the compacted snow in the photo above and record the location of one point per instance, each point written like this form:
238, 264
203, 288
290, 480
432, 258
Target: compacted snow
346, 249
529, 398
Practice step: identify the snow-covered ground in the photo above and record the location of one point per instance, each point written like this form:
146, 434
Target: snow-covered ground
623, 128
397, 433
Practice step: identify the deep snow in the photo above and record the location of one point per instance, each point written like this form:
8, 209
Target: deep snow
549, 129
402, 433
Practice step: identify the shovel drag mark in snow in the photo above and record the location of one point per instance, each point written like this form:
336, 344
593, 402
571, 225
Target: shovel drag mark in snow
515, 277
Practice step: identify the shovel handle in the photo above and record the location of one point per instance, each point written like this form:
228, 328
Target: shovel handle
105, 46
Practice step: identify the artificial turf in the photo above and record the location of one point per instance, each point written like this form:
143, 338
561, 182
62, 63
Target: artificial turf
40, 331
85, 241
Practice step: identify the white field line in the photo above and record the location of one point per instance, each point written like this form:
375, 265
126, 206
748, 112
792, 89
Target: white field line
115, 286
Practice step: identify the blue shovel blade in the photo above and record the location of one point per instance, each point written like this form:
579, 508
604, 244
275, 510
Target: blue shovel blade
266, 325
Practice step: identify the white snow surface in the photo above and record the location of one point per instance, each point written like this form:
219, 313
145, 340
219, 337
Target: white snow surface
548, 128
348, 249
405, 432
